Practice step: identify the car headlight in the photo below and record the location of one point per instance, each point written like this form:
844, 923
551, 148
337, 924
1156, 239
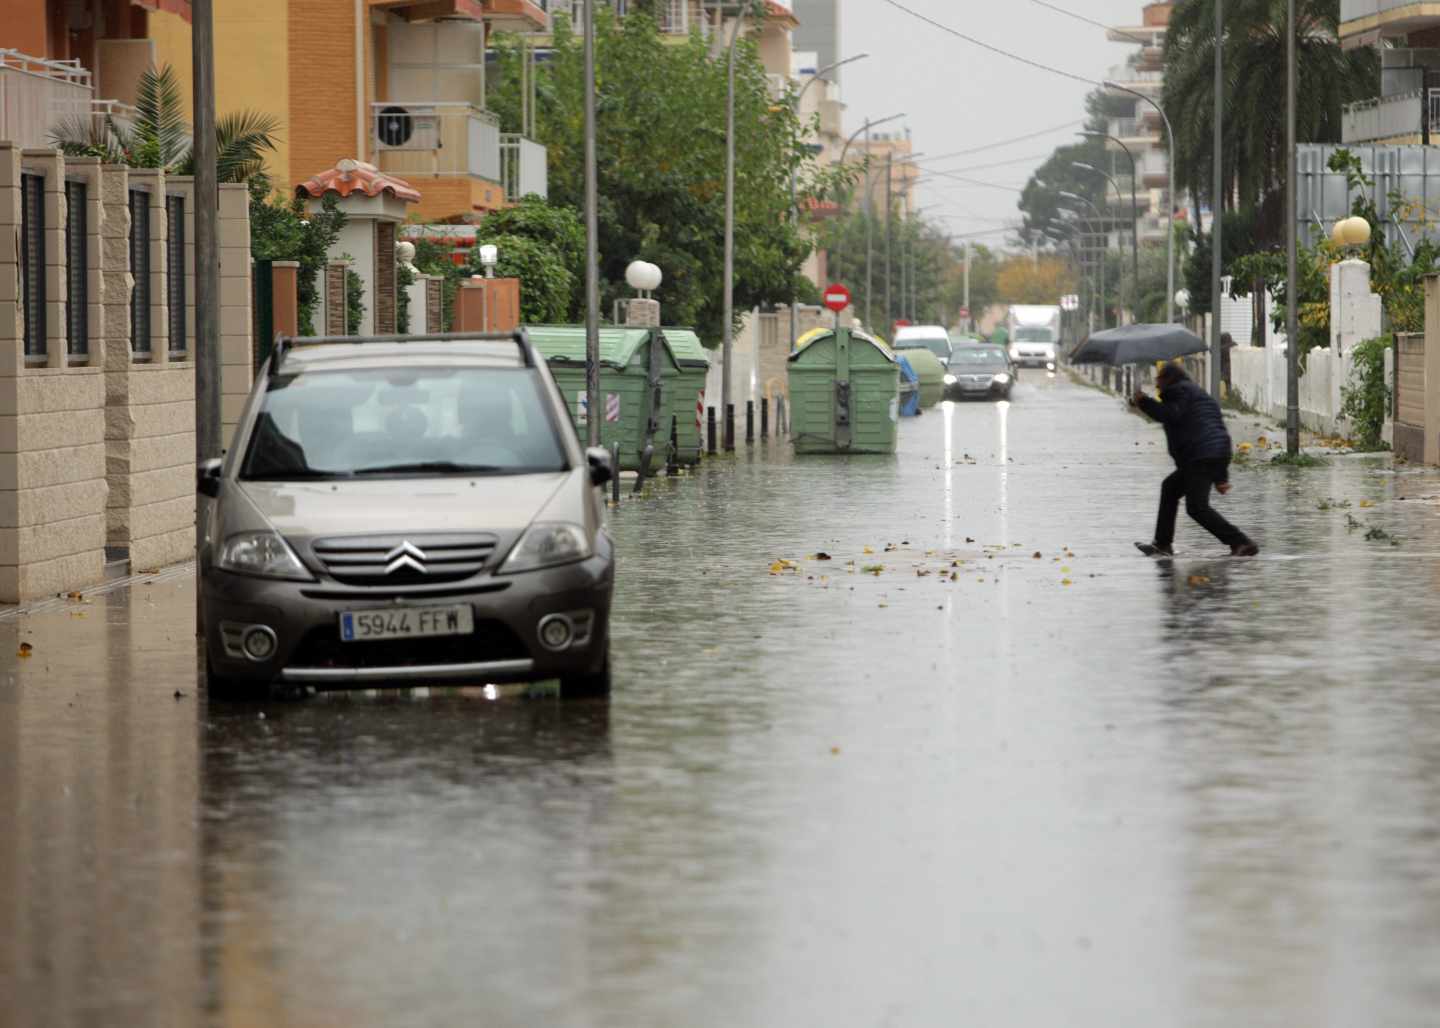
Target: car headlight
545, 546
263, 554
1001, 378
950, 380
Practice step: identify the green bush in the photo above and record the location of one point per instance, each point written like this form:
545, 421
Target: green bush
1365, 400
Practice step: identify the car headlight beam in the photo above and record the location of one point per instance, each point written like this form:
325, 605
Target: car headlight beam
1001, 378
547, 544
950, 380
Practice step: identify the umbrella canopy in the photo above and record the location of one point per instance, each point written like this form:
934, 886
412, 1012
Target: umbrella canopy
1138, 344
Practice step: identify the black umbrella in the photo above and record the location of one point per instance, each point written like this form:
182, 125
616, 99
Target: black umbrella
1138, 344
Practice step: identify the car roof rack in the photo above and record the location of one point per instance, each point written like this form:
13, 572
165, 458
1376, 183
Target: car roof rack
521, 338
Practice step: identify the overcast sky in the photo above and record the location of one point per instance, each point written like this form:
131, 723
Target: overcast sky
958, 96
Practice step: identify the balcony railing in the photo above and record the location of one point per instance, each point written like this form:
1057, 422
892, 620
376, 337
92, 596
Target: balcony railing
36, 94
434, 138
523, 167
1391, 116
676, 17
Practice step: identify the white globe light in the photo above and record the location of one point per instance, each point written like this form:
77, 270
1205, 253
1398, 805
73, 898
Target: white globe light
1182, 299
1354, 231
643, 276
489, 255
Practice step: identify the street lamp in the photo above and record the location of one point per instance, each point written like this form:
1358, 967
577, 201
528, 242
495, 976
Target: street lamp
1104, 243
1169, 200
869, 210
1134, 226
728, 343
794, 186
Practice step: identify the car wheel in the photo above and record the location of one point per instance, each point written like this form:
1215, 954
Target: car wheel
587, 685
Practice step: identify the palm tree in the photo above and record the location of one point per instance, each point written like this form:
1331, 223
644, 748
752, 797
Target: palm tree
158, 137
1254, 93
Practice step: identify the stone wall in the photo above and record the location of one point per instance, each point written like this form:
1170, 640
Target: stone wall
52, 429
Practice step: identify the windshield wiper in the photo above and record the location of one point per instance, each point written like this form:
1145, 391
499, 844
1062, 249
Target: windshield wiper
293, 475
443, 467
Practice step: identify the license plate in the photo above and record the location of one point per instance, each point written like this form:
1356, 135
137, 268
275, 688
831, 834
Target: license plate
406, 623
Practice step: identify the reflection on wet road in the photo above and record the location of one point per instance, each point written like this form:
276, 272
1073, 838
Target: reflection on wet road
975, 787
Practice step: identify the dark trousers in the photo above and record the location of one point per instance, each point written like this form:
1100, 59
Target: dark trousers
1193, 482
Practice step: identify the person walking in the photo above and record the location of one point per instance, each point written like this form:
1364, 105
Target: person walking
1200, 446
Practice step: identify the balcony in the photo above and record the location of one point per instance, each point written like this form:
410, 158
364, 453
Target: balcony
419, 139
1371, 19
676, 17
37, 94
524, 167
1391, 117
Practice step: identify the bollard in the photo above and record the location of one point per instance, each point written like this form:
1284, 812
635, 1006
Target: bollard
710, 430
615, 478
672, 452
749, 422
781, 428
729, 428
764, 417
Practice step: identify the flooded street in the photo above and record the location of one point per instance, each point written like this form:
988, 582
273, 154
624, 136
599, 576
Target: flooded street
1013, 774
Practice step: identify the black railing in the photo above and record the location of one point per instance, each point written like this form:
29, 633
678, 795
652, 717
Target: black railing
140, 272
77, 269
175, 274
32, 262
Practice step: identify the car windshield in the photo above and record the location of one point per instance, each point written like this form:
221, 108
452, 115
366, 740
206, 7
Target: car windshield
403, 422
1034, 335
939, 347
979, 355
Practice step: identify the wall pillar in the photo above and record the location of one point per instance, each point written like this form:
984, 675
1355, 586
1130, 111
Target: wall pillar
237, 344
1355, 312
285, 297
434, 303
335, 318
487, 305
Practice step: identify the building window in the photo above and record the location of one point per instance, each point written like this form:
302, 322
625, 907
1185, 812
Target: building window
32, 261
77, 270
175, 272
140, 272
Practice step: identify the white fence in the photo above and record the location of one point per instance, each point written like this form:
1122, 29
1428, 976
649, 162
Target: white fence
1257, 374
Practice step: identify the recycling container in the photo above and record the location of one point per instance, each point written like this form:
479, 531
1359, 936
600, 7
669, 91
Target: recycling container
628, 401
909, 387
687, 405
844, 394
931, 374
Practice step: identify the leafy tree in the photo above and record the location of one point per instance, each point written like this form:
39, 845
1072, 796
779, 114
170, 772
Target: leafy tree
282, 229
1254, 94
547, 287
159, 137
1040, 280
916, 248
550, 262
661, 150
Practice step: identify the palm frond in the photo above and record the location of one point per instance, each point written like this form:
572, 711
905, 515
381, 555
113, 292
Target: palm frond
243, 138
160, 129
83, 135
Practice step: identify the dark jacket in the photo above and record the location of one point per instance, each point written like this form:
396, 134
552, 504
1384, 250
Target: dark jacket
1194, 426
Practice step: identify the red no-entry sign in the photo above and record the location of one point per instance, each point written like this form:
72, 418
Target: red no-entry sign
837, 298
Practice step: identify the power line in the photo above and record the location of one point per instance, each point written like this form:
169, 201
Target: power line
1091, 21
987, 167
989, 46
975, 182
996, 146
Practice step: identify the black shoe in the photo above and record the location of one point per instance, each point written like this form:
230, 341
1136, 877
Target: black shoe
1154, 550
1246, 549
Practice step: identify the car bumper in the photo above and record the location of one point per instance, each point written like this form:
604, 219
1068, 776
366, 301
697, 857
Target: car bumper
505, 645
1031, 360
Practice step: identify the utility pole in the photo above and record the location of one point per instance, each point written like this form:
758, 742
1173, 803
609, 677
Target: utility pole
889, 240
728, 347
1169, 195
1217, 203
970, 319
869, 238
208, 443
594, 413
1292, 198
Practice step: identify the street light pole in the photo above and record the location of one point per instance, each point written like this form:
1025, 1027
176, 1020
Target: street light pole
1292, 198
795, 189
1217, 203
1104, 244
1134, 211
1169, 201
728, 344
593, 413
208, 443
1135, 245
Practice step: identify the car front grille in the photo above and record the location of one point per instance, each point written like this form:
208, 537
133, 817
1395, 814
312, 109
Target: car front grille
404, 560
976, 380
491, 641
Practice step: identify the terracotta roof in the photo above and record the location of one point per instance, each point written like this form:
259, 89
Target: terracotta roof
352, 176
775, 9
180, 7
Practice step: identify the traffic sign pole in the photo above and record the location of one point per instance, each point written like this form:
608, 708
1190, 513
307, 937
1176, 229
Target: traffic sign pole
837, 298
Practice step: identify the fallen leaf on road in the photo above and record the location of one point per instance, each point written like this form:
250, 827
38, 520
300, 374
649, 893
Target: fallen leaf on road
822, 555
1367, 503
867, 550
1036, 555
1195, 580
873, 569
921, 572
1066, 581
1064, 571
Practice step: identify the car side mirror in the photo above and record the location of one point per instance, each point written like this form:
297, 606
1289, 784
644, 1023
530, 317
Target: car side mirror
207, 477
602, 466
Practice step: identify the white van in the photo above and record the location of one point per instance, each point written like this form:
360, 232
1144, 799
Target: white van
925, 337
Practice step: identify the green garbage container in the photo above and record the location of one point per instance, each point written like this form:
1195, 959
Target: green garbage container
844, 394
932, 375
688, 396
627, 402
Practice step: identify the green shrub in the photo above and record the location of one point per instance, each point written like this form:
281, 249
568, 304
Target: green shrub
1365, 400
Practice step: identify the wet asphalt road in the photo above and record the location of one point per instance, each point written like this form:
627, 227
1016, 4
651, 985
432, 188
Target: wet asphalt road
1078, 789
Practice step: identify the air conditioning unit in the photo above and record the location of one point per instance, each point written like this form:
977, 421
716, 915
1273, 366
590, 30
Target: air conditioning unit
409, 127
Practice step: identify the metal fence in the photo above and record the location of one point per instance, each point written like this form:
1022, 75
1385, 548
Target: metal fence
77, 265
32, 262
140, 272
1411, 173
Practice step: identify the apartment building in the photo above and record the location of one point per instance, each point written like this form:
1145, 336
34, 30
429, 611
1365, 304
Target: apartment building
1407, 36
1140, 127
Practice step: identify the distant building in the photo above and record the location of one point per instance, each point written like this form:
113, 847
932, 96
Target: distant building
1140, 127
819, 31
1407, 35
